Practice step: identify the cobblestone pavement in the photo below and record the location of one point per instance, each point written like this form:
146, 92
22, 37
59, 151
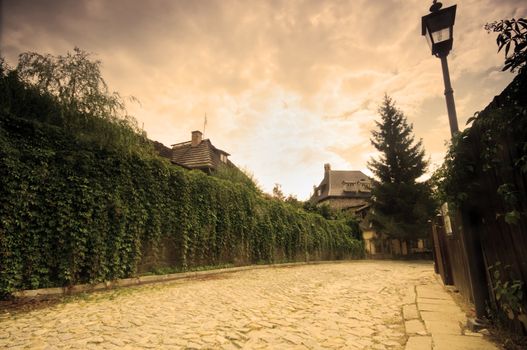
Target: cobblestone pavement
350, 305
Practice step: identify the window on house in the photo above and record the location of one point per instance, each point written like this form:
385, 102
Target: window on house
364, 185
223, 158
349, 186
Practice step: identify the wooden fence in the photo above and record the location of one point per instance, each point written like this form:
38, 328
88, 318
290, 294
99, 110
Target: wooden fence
492, 223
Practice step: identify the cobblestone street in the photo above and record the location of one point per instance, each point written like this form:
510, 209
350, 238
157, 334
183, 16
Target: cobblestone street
351, 305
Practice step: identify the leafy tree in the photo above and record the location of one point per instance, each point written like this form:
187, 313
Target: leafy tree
401, 206
401, 160
278, 193
74, 79
290, 199
512, 34
84, 104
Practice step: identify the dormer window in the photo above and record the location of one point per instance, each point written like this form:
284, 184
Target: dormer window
361, 185
349, 186
364, 185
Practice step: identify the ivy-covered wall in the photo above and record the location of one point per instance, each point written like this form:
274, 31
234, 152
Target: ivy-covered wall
72, 212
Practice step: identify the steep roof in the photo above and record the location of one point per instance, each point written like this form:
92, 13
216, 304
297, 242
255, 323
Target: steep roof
202, 156
337, 183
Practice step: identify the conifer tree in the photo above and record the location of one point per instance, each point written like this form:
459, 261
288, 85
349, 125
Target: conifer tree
401, 206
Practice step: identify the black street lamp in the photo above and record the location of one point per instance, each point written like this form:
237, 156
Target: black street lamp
438, 28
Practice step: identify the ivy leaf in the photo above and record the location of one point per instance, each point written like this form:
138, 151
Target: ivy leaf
520, 47
497, 275
512, 217
471, 119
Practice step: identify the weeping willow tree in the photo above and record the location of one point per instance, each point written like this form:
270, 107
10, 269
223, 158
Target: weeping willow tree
79, 99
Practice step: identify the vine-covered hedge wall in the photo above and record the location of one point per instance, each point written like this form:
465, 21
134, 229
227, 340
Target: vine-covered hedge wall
72, 212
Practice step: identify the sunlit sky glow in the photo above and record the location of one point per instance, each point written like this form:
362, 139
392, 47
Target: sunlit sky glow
286, 85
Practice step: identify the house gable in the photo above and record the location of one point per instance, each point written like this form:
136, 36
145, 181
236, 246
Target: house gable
343, 189
199, 154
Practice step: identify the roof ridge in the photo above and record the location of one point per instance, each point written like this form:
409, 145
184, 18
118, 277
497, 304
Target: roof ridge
182, 143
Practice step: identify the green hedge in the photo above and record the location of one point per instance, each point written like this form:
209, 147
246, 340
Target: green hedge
83, 199
73, 212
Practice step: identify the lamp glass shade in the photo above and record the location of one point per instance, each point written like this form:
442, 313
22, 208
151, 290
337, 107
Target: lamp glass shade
437, 27
429, 39
441, 35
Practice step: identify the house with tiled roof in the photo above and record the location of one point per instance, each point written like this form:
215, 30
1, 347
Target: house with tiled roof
199, 153
344, 190
350, 190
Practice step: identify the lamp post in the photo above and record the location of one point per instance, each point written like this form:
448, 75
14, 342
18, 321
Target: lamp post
438, 28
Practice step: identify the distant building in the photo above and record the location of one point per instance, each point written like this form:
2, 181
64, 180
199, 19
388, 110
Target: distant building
350, 190
344, 190
199, 153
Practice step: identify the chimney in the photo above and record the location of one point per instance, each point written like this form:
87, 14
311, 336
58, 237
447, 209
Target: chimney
327, 168
196, 138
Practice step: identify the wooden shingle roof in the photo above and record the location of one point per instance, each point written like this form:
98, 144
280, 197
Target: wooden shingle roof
343, 184
202, 156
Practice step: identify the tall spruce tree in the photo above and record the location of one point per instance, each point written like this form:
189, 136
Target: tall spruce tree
402, 206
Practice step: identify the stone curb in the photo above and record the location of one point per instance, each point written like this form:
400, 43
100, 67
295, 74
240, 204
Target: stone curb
134, 281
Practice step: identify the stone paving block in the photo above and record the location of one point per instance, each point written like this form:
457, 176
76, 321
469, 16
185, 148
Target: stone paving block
442, 327
432, 292
443, 316
311, 344
361, 331
438, 308
445, 301
461, 342
410, 312
414, 327
419, 343
434, 287
409, 295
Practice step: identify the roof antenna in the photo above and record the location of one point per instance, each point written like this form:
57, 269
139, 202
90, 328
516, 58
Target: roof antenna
204, 123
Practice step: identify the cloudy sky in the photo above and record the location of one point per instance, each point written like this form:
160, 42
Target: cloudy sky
286, 85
